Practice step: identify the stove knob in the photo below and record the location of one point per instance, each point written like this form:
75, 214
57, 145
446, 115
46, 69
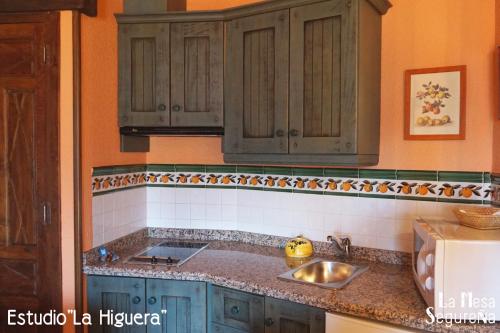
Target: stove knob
154, 260
429, 283
169, 260
429, 259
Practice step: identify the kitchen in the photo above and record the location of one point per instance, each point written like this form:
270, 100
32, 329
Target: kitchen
280, 165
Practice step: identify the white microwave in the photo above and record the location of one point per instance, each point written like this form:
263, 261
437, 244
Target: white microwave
457, 269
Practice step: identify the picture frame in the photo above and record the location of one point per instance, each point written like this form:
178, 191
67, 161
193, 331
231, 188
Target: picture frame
435, 103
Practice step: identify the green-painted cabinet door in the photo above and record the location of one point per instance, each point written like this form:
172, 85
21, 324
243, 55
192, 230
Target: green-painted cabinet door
197, 56
235, 309
287, 317
144, 74
323, 78
256, 84
115, 294
182, 306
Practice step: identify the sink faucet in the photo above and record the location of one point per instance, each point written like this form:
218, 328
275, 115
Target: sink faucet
342, 244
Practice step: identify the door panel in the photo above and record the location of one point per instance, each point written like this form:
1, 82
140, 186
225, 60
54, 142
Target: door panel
197, 74
322, 79
144, 88
287, 317
184, 302
257, 84
30, 258
237, 309
115, 294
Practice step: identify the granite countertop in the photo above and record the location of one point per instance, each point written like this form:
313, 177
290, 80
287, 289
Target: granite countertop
386, 292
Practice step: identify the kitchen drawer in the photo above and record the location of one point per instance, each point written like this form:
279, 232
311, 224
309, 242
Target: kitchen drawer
237, 310
217, 328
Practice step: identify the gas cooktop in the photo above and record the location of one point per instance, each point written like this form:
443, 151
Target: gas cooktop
171, 253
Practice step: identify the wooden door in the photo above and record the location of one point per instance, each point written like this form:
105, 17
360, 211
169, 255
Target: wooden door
323, 78
184, 302
118, 295
143, 75
30, 237
287, 317
196, 74
256, 78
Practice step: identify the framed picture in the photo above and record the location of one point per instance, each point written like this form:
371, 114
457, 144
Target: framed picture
435, 103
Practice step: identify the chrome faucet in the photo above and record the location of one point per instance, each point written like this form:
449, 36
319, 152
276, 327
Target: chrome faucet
342, 244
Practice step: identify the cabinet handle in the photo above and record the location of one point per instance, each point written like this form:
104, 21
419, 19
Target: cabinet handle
294, 132
152, 300
137, 285
235, 310
136, 300
162, 107
280, 133
176, 108
269, 322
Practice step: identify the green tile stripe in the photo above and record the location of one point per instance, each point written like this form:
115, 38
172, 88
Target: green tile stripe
115, 170
465, 177
344, 173
377, 174
417, 175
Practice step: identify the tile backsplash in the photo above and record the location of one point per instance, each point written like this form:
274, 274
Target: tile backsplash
374, 207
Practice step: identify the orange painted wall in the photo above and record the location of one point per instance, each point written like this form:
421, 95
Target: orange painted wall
496, 130
100, 138
454, 32
66, 152
416, 34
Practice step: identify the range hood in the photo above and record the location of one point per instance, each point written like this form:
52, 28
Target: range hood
172, 131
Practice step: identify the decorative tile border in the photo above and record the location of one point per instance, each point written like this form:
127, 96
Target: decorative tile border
443, 186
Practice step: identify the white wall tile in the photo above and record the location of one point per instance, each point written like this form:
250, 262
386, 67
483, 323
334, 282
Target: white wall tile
229, 196
197, 211
168, 210
182, 211
214, 196
381, 223
214, 212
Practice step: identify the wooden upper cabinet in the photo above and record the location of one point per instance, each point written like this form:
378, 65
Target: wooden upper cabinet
256, 94
197, 74
144, 73
322, 79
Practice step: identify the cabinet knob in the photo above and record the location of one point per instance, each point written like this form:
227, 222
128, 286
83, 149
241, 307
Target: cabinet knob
137, 285
136, 300
162, 107
294, 132
235, 310
176, 108
152, 300
269, 322
280, 133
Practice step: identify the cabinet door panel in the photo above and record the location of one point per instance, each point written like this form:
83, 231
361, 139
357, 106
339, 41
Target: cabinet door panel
287, 317
257, 84
239, 310
144, 75
184, 302
118, 295
197, 74
322, 79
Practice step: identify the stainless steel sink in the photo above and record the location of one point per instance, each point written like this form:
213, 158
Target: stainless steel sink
324, 273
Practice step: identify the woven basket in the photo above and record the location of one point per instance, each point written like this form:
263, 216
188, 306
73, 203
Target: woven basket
479, 217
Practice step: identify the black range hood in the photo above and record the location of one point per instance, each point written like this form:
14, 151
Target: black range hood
172, 131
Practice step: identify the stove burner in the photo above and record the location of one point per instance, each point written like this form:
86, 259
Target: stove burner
170, 253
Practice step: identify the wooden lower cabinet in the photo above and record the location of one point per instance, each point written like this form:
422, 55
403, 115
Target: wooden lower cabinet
238, 312
194, 307
184, 301
118, 295
287, 317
